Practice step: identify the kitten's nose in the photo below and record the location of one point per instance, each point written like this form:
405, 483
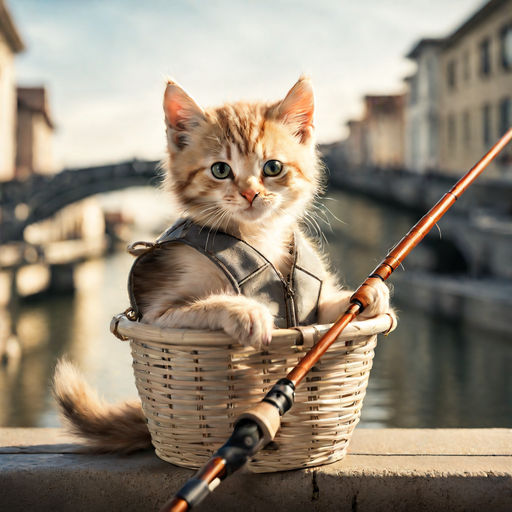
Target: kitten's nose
249, 194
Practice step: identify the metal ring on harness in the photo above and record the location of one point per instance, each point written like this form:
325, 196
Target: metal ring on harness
114, 323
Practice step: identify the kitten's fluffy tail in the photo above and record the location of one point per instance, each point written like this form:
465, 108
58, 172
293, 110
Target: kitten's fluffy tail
104, 428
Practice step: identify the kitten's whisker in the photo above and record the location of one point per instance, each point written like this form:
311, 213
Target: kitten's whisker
214, 220
320, 211
314, 226
327, 208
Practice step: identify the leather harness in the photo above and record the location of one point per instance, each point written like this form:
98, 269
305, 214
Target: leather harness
293, 300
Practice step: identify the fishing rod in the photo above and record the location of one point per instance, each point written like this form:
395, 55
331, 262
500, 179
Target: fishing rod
258, 426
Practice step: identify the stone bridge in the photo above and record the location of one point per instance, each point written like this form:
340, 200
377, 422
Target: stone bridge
476, 235
24, 202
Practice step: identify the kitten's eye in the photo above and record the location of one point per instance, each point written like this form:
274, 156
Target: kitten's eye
221, 170
272, 168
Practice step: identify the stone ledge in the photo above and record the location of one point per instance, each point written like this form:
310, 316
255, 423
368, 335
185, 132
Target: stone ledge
389, 469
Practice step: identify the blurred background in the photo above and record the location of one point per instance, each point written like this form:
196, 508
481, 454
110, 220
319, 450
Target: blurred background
409, 95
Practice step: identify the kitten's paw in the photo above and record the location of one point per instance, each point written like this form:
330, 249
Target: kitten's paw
380, 301
249, 322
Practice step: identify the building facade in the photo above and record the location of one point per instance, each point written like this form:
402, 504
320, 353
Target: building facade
10, 44
377, 140
26, 129
356, 147
385, 130
34, 133
422, 108
476, 90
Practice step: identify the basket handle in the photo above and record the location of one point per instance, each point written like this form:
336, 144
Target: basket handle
308, 335
128, 313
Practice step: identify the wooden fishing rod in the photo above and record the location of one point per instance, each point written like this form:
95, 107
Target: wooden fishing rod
258, 426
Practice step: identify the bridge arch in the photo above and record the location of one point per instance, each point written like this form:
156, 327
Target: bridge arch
43, 196
451, 257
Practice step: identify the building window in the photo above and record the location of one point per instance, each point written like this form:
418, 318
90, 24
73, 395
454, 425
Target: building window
485, 57
431, 78
466, 66
466, 127
432, 138
415, 133
451, 74
486, 125
505, 115
506, 46
413, 90
451, 132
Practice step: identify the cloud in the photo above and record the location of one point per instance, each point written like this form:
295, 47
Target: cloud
105, 62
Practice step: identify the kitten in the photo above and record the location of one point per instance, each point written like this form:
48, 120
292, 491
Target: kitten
249, 170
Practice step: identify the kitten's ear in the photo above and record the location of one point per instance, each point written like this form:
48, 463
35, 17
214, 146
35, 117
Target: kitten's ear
182, 114
298, 107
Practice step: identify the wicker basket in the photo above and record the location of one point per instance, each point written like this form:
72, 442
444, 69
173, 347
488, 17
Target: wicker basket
193, 385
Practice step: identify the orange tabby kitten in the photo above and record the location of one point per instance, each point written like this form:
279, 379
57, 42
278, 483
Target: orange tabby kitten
249, 170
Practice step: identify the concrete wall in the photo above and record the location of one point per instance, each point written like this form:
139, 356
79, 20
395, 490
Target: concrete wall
462, 102
386, 470
7, 111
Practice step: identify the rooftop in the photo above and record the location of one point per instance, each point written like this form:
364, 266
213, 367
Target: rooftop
383, 103
422, 44
34, 99
475, 19
9, 30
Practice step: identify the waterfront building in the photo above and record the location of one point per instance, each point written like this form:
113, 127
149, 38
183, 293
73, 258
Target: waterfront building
475, 99
356, 146
377, 140
384, 130
422, 108
34, 133
10, 44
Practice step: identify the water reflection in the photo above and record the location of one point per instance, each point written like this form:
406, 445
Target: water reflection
428, 373
437, 374
76, 327
41, 336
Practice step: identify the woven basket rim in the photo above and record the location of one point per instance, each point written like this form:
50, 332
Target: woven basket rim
130, 329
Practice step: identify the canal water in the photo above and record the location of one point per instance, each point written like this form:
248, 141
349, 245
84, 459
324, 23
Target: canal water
428, 373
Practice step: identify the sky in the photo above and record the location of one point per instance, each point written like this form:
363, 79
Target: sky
104, 62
